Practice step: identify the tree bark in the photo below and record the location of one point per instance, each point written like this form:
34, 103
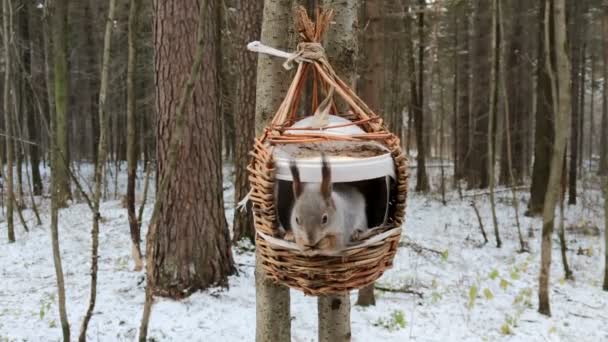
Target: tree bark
10, 196
518, 94
478, 173
463, 108
273, 319
190, 247
27, 24
250, 22
334, 310
132, 150
603, 166
422, 181
492, 116
101, 163
544, 132
561, 95
605, 285
59, 34
371, 82
334, 318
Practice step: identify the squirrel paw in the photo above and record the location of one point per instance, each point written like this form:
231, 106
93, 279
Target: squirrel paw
357, 235
289, 236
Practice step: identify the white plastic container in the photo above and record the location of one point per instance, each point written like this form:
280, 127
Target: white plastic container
343, 168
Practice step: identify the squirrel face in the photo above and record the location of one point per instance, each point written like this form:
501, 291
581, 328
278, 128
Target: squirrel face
314, 220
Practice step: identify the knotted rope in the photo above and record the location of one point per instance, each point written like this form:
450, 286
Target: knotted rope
307, 52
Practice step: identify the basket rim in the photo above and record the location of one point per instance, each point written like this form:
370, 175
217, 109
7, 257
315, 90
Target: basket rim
277, 243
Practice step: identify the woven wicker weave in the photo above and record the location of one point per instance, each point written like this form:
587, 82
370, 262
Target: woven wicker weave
362, 264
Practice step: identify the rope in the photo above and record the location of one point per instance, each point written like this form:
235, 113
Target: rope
306, 52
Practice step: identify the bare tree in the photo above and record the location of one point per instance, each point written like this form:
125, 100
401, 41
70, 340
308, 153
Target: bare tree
422, 181
603, 167
561, 94
492, 115
134, 224
544, 132
7, 36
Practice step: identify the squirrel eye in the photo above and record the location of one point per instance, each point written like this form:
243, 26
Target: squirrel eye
297, 220
324, 219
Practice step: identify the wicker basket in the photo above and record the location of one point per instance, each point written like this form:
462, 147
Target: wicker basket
363, 263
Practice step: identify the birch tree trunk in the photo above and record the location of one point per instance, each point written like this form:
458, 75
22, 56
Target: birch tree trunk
561, 95
273, 320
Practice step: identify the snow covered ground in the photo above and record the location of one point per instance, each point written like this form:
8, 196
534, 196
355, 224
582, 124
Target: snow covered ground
470, 292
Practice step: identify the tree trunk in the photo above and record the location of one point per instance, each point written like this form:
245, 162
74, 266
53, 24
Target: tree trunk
228, 76
561, 95
507, 126
544, 133
371, 82
394, 72
190, 247
605, 285
603, 166
478, 173
492, 116
10, 196
59, 34
273, 320
517, 79
576, 23
101, 154
334, 318
27, 23
463, 70
134, 224
342, 48
422, 181
250, 22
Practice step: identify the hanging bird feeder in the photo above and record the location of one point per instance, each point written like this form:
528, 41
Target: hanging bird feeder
360, 151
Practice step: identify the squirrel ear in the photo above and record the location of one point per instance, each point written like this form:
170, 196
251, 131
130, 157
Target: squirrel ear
325, 178
295, 183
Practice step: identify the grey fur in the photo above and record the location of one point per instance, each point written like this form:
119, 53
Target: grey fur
345, 211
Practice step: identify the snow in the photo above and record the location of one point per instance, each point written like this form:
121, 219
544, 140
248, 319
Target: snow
503, 282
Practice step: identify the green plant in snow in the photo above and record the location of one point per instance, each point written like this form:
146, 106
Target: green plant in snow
394, 322
472, 297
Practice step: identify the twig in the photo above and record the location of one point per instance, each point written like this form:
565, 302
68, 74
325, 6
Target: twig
418, 248
404, 289
483, 231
